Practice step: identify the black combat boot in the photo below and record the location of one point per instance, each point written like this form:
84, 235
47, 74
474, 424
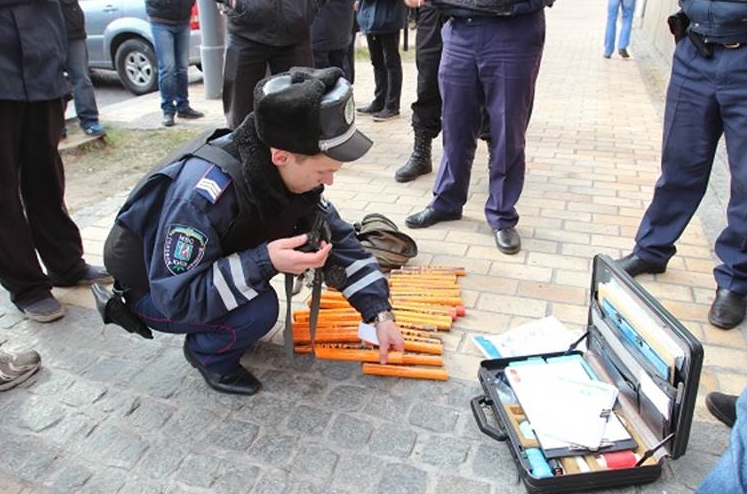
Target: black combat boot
420, 161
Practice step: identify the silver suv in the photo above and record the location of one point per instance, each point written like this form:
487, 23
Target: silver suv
119, 38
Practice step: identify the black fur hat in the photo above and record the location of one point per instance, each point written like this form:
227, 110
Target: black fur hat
309, 111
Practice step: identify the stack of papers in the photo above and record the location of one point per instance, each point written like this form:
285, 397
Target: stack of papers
545, 335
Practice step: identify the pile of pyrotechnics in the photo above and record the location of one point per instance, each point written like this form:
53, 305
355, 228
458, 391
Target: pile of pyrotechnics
425, 300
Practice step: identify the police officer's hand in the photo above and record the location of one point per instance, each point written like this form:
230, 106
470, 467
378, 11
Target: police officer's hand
389, 339
413, 4
287, 259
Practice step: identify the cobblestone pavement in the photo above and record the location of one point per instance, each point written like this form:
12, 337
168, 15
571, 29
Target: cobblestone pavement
111, 413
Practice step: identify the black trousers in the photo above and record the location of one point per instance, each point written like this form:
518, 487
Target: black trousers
247, 63
33, 216
426, 109
387, 65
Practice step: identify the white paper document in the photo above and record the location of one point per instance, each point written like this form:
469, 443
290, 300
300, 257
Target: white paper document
546, 335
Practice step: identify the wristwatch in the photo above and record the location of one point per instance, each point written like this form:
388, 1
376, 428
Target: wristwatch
384, 315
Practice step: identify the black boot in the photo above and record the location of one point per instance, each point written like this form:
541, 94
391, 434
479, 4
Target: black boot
420, 161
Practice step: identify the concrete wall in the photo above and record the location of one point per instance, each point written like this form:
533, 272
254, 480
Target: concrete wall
654, 25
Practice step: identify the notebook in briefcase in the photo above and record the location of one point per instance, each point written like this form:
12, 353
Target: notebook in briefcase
633, 343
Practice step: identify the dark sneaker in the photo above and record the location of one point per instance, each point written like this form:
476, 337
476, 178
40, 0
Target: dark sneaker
91, 275
723, 407
94, 130
189, 113
385, 115
239, 381
17, 367
369, 110
623, 53
45, 310
168, 120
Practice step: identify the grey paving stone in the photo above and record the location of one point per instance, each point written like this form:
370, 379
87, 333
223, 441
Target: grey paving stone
386, 407
72, 428
199, 470
314, 460
188, 425
349, 431
433, 391
294, 386
81, 393
272, 482
466, 427
357, 471
443, 451
452, 484
162, 460
232, 434
433, 417
126, 450
264, 409
308, 420
347, 398
235, 479
273, 448
39, 466
150, 415
106, 482
494, 463
309, 488
383, 384
52, 383
37, 414
105, 370
117, 405
402, 479
141, 486
389, 440
194, 390
337, 370
461, 392
71, 478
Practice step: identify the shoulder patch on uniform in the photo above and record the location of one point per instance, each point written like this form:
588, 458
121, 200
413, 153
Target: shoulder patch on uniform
183, 249
212, 185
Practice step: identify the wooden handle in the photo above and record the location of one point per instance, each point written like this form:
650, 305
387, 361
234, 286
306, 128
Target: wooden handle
405, 371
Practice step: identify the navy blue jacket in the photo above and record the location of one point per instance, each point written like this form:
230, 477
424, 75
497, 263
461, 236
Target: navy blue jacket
272, 22
182, 212
470, 8
720, 21
381, 16
333, 26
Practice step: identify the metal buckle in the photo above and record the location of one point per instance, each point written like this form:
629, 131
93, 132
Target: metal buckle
732, 46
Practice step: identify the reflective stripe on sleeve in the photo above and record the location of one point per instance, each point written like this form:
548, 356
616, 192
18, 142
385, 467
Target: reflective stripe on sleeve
362, 283
358, 265
220, 284
237, 274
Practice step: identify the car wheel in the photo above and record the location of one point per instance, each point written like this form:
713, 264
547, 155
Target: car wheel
137, 66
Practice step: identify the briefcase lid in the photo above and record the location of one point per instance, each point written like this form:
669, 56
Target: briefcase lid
654, 360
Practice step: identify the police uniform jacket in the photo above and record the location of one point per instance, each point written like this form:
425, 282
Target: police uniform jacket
184, 212
720, 21
32, 50
272, 22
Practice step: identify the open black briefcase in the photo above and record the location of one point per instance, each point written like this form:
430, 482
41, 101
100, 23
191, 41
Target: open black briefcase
632, 343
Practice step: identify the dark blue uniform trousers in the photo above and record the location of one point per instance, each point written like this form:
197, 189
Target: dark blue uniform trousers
219, 344
495, 60
707, 97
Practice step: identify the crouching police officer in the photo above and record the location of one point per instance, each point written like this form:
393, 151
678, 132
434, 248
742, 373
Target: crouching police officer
198, 240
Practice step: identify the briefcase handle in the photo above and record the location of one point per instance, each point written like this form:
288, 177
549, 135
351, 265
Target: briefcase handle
477, 404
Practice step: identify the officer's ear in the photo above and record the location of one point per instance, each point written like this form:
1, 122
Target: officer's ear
280, 157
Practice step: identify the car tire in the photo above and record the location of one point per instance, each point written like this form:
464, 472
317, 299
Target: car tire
137, 66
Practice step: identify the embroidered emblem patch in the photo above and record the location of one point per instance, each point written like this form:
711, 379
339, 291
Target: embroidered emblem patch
183, 248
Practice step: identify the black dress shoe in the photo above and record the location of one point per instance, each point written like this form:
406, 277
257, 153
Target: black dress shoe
634, 265
723, 407
189, 113
239, 381
727, 310
507, 240
369, 110
429, 217
168, 120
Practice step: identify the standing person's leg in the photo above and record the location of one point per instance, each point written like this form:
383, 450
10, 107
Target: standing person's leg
285, 57
181, 66
729, 474
164, 42
459, 85
426, 109
393, 67
336, 58
376, 53
245, 66
85, 99
55, 235
613, 6
20, 271
628, 9
508, 66
321, 59
692, 128
731, 246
